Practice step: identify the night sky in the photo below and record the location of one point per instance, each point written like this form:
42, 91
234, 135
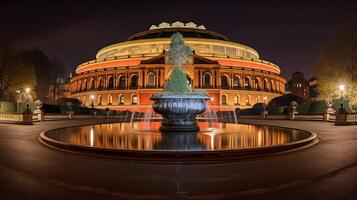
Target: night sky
285, 33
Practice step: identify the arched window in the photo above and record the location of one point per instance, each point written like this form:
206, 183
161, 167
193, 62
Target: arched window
151, 80
257, 83
110, 99
121, 99
122, 82
85, 84
236, 100
99, 99
266, 85
207, 80
134, 99
248, 100
272, 85
134, 81
224, 82
247, 84
258, 99
110, 83
92, 86
101, 83
236, 83
224, 100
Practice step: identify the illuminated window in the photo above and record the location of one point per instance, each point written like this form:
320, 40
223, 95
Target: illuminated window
121, 99
236, 82
134, 99
110, 99
236, 100
151, 80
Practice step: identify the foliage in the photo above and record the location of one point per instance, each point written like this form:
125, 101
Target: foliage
6, 106
303, 108
15, 74
276, 110
337, 64
43, 70
317, 107
179, 53
177, 83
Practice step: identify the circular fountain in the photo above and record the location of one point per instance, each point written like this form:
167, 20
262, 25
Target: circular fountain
214, 141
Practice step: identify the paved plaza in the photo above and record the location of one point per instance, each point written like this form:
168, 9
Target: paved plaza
30, 170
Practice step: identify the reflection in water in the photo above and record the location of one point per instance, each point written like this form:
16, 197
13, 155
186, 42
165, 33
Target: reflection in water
136, 136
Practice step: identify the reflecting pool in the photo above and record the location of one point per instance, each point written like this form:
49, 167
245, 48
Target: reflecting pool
145, 136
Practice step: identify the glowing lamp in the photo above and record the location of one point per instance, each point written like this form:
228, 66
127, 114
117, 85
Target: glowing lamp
341, 87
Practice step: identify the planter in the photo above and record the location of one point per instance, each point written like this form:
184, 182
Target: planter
179, 111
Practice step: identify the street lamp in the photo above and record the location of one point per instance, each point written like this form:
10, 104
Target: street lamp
342, 88
18, 92
27, 90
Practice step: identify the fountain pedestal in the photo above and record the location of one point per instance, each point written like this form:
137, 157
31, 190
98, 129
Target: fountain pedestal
179, 111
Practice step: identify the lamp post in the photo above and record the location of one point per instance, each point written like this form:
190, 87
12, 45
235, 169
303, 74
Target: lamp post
18, 92
27, 90
342, 88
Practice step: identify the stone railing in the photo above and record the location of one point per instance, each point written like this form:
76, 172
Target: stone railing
14, 117
18, 118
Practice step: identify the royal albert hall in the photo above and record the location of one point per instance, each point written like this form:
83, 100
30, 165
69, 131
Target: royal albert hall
124, 75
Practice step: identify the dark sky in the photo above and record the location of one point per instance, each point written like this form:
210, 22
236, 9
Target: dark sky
288, 34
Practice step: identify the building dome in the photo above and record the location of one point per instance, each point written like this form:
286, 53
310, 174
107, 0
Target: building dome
188, 30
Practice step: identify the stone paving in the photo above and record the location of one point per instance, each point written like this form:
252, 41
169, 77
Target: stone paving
30, 170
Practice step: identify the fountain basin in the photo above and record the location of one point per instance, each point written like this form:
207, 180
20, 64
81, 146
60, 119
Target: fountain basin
222, 142
179, 111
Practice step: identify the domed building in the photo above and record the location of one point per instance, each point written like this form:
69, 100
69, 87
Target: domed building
124, 75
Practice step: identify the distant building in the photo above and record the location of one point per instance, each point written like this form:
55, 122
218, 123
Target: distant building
299, 86
313, 88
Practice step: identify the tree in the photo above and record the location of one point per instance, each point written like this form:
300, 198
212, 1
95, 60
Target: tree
15, 74
43, 70
337, 64
178, 56
178, 82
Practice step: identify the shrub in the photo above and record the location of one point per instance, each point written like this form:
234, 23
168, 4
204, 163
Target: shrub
317, 107
303, 108
276, 110
6, 106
